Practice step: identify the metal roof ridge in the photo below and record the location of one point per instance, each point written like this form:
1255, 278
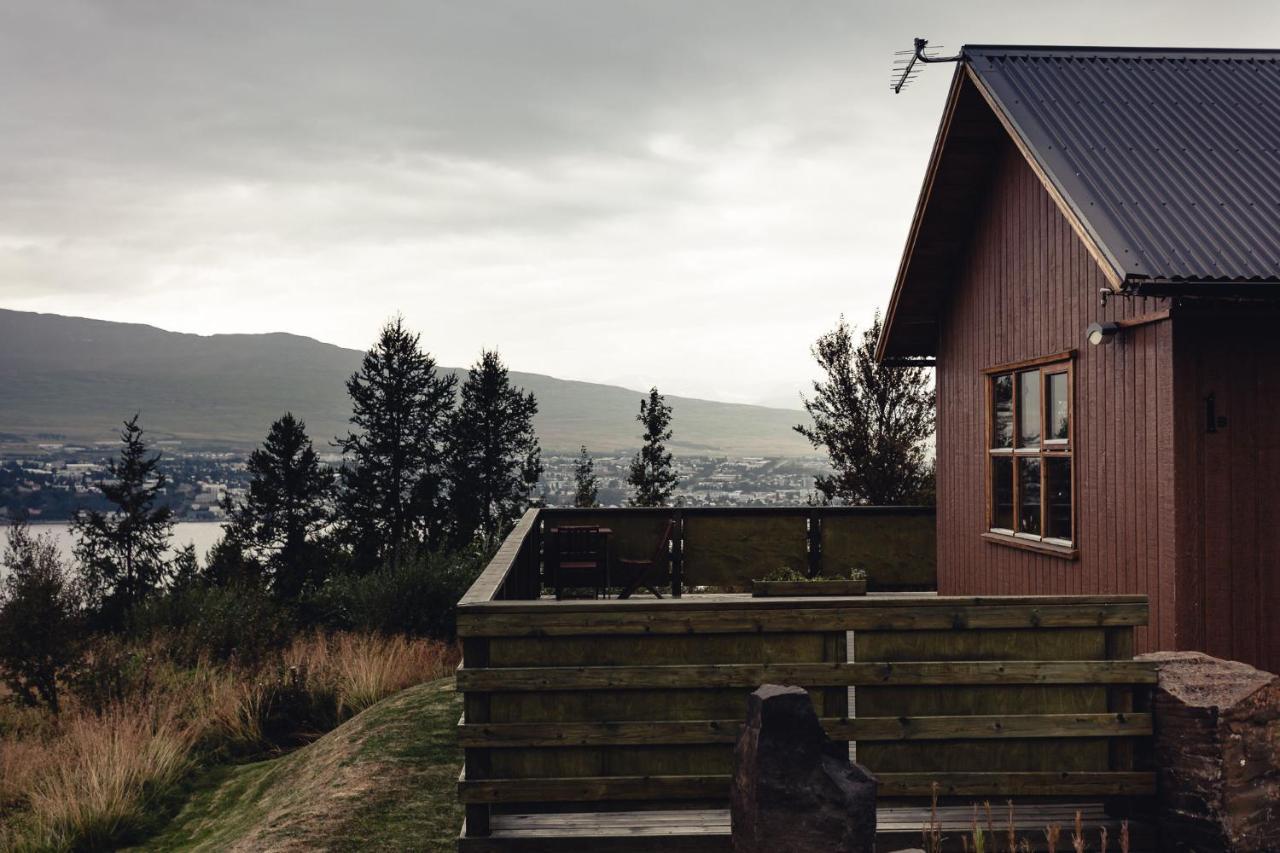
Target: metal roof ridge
1126, 50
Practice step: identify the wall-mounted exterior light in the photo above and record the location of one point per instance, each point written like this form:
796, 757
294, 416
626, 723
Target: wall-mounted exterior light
1101, 333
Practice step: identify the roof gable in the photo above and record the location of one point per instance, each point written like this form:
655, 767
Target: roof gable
1166, 163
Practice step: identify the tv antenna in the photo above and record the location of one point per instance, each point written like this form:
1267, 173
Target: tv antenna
904, 68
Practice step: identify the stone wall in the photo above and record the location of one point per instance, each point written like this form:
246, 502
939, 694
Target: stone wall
1217, 748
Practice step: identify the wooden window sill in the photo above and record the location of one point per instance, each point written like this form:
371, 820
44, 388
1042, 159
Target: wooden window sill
1066, 552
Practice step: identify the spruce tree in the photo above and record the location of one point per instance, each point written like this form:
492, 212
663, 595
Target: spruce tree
289, 502
122, 552
393, 475
229, 562
652, 475
873, 420
40, 615
184, 568
495, 460
587, 484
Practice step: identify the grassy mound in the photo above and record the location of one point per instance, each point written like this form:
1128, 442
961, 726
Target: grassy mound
383, 780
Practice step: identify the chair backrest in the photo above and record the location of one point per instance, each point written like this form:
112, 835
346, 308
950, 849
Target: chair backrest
662, 549
579, 544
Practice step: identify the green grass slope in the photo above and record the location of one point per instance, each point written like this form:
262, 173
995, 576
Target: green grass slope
384, 780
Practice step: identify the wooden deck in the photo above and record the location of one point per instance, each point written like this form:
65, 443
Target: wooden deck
588, 722
707, 830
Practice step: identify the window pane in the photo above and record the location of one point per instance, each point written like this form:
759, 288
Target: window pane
1029, 495
1057, 480
1029, 408
1002, 416
1002, 492
1056, 406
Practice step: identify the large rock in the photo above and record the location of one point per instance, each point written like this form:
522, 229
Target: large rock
1218, 753
794, 790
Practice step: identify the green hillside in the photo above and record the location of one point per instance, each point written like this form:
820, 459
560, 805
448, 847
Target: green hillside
79, 378
384, 780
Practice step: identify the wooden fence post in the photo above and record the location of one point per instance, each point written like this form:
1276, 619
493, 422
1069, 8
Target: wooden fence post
476, 763
530, 586
1119, 646
539, 560
677, 555
815, 543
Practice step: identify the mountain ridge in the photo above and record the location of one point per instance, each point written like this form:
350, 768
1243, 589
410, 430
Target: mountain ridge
79, 377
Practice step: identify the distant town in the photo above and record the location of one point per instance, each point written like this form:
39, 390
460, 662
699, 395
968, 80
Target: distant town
51, 481
704, 480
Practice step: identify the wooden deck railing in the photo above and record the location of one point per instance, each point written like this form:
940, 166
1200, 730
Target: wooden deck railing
727, 548
515, 572
641, 700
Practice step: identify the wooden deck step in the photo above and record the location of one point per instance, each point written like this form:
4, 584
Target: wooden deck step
707, 830
674, 831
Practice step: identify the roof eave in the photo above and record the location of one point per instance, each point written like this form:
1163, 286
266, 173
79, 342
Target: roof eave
1260, 289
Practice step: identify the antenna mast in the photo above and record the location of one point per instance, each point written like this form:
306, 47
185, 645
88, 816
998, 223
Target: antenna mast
904, 69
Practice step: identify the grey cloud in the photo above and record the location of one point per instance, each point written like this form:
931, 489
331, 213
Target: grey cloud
739, 164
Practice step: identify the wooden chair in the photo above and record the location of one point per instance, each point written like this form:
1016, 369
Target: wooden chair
634, 574
579, 559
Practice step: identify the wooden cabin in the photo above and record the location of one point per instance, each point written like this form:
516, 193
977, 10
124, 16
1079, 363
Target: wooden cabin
1094, 270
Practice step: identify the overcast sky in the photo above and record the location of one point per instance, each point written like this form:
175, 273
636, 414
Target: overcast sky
683, 193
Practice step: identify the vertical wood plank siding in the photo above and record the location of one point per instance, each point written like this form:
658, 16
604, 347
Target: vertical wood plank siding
1228, 517
1029, 288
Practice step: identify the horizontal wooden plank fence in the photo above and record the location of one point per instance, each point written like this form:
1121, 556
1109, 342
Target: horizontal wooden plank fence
728, 547
570, 705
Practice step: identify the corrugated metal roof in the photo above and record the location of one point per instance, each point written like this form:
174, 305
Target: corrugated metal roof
1170, 158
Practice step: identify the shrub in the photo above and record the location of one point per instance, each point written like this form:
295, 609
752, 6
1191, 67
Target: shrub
418, 597
220, 622
785, 573
40, 625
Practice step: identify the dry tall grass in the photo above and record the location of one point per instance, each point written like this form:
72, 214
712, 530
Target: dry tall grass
103, 771
91, 779
983, 837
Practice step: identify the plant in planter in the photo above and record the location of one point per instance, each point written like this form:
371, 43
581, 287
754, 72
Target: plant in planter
787, 581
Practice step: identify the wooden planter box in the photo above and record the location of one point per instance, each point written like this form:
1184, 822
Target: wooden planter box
836, 586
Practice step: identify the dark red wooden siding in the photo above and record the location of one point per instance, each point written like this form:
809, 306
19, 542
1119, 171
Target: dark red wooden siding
1228, 507
1028, 288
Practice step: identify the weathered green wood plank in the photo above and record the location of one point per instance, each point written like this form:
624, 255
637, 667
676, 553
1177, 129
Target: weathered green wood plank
900, 648
1015, 784
657, 649
736, 602
713, 787
897, 552
625, 842
707, 830
806, 674
805, 615
562, 706
594, 788
729, 551
863, 729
